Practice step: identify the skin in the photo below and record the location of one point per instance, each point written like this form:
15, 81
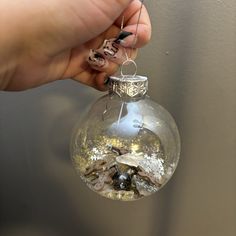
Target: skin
46, 40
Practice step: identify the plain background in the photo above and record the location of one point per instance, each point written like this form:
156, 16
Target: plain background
191, 63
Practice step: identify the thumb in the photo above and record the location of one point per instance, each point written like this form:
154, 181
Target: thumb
96, 16
73, 22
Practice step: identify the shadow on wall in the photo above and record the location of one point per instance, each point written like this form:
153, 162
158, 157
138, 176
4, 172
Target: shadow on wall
41, 190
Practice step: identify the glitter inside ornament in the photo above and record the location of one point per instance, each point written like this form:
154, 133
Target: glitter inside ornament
127, 146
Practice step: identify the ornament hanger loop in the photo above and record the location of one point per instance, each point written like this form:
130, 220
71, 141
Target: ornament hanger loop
128, 62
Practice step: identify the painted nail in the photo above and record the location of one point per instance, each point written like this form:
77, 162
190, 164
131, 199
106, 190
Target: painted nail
96, 59
129, 41
106, 80
110, 48
122, 36
112, 51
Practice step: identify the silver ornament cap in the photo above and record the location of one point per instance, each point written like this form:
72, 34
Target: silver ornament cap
128, 86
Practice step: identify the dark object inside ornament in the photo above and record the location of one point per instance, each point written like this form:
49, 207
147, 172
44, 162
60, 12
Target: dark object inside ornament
122, 181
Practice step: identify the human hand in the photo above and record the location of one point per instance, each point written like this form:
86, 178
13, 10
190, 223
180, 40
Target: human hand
56, 37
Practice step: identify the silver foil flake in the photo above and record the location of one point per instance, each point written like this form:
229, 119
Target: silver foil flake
153, 164
95, 158
96, 155
150, 164
143, 187
130, 159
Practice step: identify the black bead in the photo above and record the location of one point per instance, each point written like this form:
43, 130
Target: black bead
122, 181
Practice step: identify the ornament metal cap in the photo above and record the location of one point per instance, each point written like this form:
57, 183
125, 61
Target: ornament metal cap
128, 86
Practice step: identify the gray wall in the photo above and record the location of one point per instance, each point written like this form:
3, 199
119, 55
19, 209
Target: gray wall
191, 63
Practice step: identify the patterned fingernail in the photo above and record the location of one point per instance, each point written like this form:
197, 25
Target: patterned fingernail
96, 59
122, 36
112, 51
110, 48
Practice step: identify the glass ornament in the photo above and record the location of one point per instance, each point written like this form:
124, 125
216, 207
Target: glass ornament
127, 147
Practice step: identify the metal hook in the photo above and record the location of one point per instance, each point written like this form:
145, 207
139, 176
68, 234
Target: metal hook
127, 63
128, 60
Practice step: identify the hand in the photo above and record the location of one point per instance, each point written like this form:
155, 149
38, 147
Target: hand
58, 35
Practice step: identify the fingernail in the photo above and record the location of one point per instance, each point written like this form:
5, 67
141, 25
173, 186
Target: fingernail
112, 51
96, 59
106, 80
129, 41
122, 36
110, 48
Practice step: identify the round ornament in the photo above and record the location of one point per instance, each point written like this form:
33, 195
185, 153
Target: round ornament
127, 147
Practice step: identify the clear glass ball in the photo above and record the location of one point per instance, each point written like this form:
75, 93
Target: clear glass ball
125, 148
